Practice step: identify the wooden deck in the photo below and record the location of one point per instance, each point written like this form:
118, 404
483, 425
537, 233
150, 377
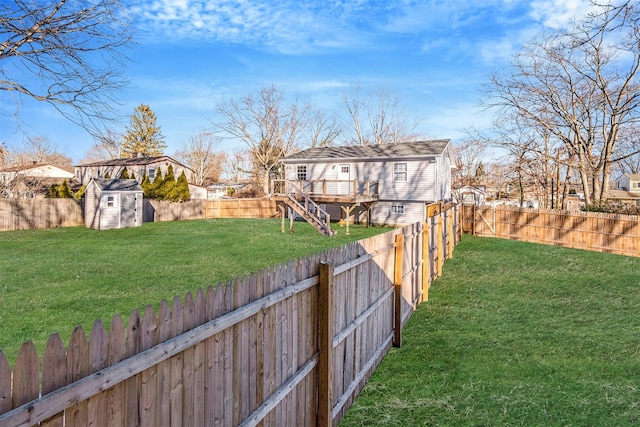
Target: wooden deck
327, 191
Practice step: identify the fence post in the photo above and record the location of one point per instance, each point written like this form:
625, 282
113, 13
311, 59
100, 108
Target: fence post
325, 346
426, 273
440, 246
451, 241
397, 319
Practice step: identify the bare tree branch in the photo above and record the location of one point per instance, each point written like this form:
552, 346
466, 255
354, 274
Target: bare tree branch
65, 53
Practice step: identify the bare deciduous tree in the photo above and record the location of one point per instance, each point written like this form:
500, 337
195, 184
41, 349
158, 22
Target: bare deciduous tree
377, 118
198, 152
581, 88
65, 53
269, 129
238, 165
39, 150
323, 130
107, 146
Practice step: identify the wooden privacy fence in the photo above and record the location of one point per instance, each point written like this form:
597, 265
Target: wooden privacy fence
289, 345
241, 208
593, 231
25, 214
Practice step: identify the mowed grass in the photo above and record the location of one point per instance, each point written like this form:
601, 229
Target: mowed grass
52, 280
516, 334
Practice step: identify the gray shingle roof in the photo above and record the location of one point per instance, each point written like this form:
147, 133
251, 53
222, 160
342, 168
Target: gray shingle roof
377, 151
117, 184
132, 161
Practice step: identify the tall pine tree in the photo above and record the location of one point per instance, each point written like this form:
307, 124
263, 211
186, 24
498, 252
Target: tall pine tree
143, 136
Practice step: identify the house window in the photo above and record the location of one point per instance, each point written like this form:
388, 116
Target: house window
152, 174
400, 172
302, 173
635, 184
397, 209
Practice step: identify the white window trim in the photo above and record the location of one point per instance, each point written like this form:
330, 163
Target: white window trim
396, 172
398, 209
299, 173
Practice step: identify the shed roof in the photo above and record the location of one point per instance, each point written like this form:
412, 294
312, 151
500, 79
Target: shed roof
376, 151
117, 184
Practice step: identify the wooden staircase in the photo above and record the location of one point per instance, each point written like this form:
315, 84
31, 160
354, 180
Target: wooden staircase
304, 206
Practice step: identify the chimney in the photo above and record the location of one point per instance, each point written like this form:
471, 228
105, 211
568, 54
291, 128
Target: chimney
34, 162
134, 155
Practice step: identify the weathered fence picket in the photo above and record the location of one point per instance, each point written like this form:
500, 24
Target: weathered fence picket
288, 345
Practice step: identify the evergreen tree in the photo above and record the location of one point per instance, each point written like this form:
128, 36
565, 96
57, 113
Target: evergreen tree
167, 191
52, 193
143, 135
80, 194
182, 188
133, 175
124, 174
146, 186
156, 185
64, 191
107, 175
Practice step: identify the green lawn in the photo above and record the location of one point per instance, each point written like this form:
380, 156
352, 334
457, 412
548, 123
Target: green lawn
52, 280
516, 334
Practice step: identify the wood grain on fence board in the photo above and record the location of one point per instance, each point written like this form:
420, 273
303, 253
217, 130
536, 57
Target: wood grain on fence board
245, 352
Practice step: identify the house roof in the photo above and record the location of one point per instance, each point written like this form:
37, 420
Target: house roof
133, 161
376, 151
633, 176
623, 194
24, 169
117, 184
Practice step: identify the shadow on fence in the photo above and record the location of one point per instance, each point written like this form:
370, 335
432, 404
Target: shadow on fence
26, 214
613, 233
289, 345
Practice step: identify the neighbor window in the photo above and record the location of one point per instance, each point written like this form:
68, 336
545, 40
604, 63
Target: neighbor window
152, 174
400, 172
302, 173
634, 185
397, 209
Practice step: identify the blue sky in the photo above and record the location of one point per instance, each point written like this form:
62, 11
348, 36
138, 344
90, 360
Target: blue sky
190, 55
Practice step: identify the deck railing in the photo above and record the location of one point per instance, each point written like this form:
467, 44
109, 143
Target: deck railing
328, 187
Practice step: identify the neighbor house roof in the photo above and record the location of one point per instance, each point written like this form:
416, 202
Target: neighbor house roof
42, 168
376, 151
632, 176
133, 161
117, 184
623, 194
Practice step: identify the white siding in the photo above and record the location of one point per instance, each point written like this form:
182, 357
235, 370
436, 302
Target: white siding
421, 184
381, 213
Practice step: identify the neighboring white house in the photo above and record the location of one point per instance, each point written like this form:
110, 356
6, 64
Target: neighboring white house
34, 180
629, 182
408, 175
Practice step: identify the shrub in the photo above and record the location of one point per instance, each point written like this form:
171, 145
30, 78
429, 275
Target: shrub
182, 188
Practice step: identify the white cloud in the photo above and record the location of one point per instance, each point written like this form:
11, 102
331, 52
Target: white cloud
559, 14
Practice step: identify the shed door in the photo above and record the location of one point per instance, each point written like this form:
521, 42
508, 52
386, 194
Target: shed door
344, 186
128, 212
